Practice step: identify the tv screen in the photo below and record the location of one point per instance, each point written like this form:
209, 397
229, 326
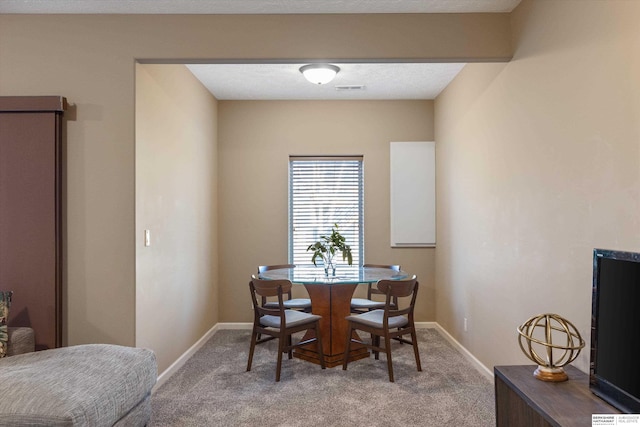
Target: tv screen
615, 329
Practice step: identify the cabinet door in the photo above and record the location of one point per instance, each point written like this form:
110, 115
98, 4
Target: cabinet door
30, 220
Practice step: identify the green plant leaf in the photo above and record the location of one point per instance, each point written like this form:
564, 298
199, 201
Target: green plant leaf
329, 245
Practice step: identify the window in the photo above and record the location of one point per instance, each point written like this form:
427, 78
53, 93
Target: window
324, 191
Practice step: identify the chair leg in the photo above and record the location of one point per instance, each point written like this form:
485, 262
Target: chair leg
289, 341
414, 340
319, 344
281, 340
347, 347
252, 347
387, 347
375, 340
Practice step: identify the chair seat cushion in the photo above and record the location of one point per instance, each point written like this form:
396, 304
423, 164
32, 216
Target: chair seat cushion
374, 319
294, 303
292, 318
83, 385
366, 303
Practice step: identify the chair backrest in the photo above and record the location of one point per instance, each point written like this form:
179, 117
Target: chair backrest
394, 267
268, 288
394, 289
372, 290
263, 268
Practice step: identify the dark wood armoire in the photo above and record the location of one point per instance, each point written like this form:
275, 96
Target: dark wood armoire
31, 213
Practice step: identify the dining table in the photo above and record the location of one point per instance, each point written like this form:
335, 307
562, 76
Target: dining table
331, 299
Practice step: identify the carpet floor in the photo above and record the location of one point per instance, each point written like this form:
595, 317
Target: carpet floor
214, 389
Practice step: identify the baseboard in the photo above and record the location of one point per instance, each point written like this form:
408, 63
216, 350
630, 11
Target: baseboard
426, 325
238, 325
167, 373
466, 353
164, 376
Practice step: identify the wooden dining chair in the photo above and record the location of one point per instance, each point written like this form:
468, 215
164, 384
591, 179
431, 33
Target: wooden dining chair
362, 305
389, 323
303, 304
280, 323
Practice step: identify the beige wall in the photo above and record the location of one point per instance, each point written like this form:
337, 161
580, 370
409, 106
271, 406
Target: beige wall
538, 163
176, 199
537, 159
91, 61
255, 141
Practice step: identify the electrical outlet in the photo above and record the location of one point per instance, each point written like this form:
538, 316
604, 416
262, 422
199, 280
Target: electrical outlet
465, 324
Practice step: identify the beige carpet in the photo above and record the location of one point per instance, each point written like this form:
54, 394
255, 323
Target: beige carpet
214, 389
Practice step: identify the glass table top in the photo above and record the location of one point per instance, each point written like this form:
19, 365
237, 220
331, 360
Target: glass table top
345, 274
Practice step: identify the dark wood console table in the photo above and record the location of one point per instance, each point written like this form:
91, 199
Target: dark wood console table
522, 400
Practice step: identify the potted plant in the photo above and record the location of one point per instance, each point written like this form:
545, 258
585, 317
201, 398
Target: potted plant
326, 248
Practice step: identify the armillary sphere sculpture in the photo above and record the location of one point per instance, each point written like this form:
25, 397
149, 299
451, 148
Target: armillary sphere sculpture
551, 342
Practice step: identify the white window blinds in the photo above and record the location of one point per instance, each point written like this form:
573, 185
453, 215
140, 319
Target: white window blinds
324, 191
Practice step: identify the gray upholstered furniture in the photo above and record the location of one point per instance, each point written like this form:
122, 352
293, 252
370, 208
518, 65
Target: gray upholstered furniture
21, 340
83, 385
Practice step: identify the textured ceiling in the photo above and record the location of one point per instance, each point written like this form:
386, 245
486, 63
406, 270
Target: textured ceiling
284, 81
259, 81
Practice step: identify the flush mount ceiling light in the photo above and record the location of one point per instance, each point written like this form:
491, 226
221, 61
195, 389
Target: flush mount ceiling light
319, 73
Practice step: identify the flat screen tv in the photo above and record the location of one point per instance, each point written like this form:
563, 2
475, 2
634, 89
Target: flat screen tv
615, 329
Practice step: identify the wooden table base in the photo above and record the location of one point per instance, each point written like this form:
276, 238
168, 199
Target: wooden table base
333, 303
309, 353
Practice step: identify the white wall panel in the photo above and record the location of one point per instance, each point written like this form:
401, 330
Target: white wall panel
413, 194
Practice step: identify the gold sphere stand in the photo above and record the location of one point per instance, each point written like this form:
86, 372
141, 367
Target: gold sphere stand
551, 327
555, 375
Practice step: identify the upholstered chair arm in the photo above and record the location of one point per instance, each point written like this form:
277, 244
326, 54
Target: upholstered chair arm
21, 340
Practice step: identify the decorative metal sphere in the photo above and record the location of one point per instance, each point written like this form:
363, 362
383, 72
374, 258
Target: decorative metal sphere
541, 335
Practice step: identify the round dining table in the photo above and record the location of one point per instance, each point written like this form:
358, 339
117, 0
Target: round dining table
331, 298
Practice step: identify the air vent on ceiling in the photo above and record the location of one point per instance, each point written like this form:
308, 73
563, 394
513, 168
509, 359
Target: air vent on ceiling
349, 87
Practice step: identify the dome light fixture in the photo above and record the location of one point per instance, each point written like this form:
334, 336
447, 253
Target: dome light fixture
319, 73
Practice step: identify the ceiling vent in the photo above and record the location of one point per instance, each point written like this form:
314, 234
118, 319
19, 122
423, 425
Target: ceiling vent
345, 88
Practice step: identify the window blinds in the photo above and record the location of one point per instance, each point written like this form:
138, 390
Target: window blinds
324, 191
